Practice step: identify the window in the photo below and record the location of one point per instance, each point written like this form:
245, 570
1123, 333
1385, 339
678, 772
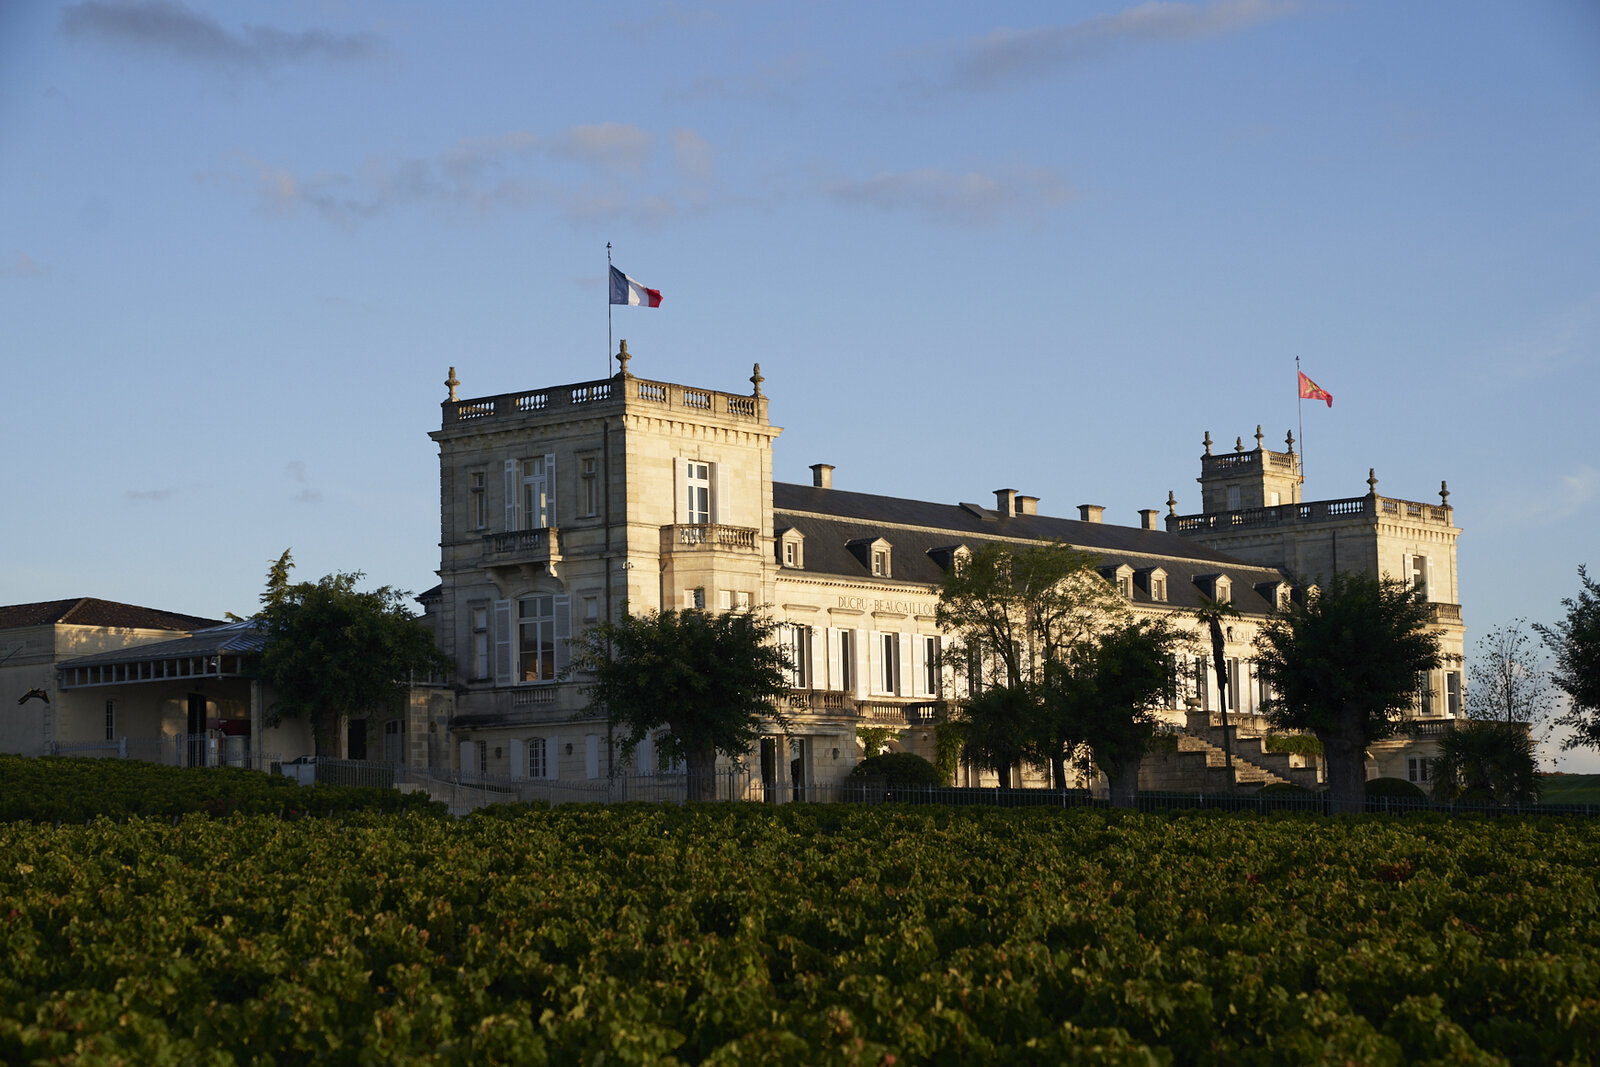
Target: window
697, 479
477, 483
891, 662
480, 644
847, 660
111, 720
1125, 585
393, 750
1452, 693
589, 486
1417, 769
741, 600
536, 625
930, 665
1273, 498
1158, 588
483, 757
1424, 693
538, 758
790, 554
536, 496
795, 641
1201, 682
697, 598
880, 563
1233, 498
1419, 574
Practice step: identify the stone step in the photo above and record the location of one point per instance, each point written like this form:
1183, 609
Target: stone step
1244, 771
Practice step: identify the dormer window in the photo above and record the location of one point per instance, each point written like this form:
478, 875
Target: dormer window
1120, 576
1153, 580
792, 548
1274, 593
950, 557
874, 554
1218, 587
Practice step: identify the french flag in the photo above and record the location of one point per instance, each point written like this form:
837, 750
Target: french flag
624, 290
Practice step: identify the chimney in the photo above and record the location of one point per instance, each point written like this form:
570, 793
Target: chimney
1005, 501
822, 475
1027, 505
1090, 512
1147, 518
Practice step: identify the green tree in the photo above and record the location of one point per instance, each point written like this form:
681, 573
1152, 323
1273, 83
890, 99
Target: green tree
1109, 689
1575, 641
1343, 666
709, 678
1488, 761
334, 652
1012, 609
1506, 681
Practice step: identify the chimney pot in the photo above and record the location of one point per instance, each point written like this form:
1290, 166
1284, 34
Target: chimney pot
1027, 505
1005, 501
822, 475
1147, 518
1090, 512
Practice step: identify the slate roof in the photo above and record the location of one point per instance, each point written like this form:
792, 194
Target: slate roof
89, 611
238, 638
831, 518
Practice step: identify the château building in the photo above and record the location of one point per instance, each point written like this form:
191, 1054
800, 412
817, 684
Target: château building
567, 505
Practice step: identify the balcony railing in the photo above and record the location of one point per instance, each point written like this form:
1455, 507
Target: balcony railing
523, 546
604, 391
709, 535
1311, 512
1445, 612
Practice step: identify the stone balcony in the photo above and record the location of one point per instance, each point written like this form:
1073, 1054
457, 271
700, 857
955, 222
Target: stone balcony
709, 537
529, 552
1370, 507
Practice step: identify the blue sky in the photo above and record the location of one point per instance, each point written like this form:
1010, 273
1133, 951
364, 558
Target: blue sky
1037, 246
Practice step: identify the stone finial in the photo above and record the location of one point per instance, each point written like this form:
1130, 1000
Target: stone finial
452, 382
1207, 442
1289, 440
1258, 437
622, 359
1172, 503
1444, 494
1238, 444
1372, 480
756, 379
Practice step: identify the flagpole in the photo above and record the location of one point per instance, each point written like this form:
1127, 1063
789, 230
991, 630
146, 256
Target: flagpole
608, 312
1300, 419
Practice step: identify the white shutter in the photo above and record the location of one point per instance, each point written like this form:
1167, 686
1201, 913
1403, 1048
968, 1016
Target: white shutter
469, 757
643, 757
874, 662
903, 657
563, 628
680, 491
918, 658
505, 662
513, 496
720, 504
552, 758
830, 637
549, 516
519, 760
591, 755
816, 670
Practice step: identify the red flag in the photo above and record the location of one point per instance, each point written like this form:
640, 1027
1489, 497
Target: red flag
1310, 390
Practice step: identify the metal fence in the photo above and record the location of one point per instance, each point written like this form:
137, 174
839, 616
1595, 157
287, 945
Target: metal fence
179, 750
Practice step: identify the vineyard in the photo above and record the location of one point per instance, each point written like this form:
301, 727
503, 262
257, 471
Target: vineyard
799, 934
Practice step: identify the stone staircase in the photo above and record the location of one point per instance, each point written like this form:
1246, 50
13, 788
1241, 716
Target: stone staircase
1199, 764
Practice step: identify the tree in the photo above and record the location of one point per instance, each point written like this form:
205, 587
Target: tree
1211, 613
1343, 665
1575, 641
1506, 682
334, 652
1109, 688
709, 678
1489, 761
1012, 609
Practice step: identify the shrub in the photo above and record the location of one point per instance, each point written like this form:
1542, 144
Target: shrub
1394, 788
898, 768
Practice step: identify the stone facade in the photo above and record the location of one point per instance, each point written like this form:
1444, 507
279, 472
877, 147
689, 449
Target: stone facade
568, 505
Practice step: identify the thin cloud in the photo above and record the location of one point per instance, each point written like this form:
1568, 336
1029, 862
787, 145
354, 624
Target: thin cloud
1576, 491
970, 198
607, 146
692, 154
23, 265
148, 496
1007, 56
296, 469
172, 29
485, 174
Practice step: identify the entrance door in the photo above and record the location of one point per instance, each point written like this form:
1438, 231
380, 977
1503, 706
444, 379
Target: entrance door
769, 769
